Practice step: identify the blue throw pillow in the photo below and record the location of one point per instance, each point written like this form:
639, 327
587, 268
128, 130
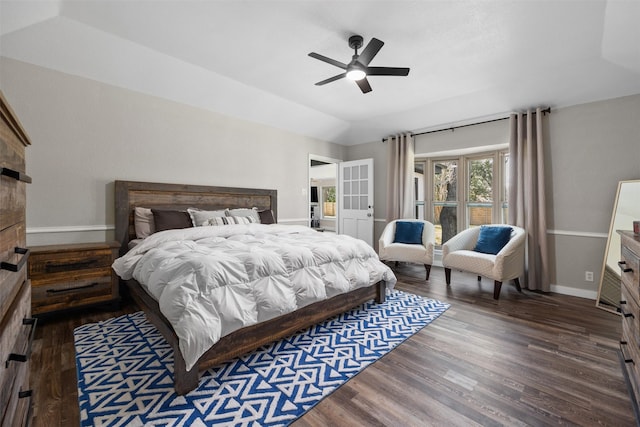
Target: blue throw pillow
409, 232
492, 239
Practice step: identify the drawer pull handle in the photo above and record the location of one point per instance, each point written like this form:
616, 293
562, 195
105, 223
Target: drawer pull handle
51, 268
17, 266
18, 176
625, 314
14, 357
623, 302
623, 356
622, 264
75, 288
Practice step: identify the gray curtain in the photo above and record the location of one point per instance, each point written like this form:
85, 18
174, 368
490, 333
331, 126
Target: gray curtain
400, 170
527, 204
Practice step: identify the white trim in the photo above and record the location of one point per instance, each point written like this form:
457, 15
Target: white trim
305, 220
575, 292
85, 228
578, 234
69, 229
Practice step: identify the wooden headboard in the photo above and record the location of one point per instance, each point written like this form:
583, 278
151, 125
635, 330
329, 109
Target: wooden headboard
131, 194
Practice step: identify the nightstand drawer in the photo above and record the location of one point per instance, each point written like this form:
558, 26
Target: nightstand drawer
61, 264
67, 294
73, 275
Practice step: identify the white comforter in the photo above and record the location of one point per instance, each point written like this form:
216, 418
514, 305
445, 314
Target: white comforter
211, 281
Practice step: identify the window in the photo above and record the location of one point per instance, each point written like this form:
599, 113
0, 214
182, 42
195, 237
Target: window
480, 191
481, 197
328, 201
444, 206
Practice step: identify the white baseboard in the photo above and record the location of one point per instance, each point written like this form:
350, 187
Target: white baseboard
575, 292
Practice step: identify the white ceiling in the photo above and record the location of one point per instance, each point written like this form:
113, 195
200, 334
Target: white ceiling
469, 60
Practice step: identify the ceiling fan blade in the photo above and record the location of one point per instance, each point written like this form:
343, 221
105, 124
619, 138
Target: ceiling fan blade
370, 51
331, 79
364, 85
387, 71
328, 60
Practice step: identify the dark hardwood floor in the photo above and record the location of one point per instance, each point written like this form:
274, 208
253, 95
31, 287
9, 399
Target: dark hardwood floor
528, 359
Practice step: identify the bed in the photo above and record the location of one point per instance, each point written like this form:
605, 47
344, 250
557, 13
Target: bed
131, 194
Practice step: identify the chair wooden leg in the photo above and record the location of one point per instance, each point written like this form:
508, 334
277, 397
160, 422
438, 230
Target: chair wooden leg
517, 282
496, 289
428, 268
447, 276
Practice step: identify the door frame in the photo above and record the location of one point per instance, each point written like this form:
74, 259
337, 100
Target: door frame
336, 163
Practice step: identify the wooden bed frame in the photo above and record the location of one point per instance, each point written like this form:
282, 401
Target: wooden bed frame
130, 194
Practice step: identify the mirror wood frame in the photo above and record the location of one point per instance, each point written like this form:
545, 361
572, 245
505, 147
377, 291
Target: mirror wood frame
610, 275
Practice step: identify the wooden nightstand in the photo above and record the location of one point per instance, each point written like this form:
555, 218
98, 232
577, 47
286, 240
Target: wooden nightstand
72, 275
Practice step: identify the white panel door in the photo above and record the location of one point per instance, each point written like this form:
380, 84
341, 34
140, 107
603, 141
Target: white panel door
356, 192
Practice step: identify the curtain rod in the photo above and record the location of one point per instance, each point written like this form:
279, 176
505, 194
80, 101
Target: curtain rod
452, 128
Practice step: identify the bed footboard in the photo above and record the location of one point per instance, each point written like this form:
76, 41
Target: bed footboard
252, 337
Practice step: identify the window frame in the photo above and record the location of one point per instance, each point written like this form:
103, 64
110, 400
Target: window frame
499, 186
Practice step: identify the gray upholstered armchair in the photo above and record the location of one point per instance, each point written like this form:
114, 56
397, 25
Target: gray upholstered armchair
420, 251
507, 264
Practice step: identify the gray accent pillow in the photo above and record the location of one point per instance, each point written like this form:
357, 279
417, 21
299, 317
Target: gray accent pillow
199, 217
253, 212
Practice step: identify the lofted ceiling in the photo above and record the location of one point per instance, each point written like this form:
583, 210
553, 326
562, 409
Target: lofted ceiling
469, 60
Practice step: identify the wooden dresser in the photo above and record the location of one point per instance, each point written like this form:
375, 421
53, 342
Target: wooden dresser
630, 310
16, 326
73, 275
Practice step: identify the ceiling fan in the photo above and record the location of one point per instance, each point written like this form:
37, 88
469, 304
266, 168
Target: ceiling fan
358, 69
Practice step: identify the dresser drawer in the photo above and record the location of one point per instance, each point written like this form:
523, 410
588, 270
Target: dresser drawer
19, 403
630, 265
69, 294
630, 315
11, 146
630, 364
10, 281
12, 201
15, 342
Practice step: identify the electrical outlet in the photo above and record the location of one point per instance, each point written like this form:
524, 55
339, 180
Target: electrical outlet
588, 276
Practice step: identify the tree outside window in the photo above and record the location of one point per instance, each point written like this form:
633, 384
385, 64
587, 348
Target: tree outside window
480, 200
464, 191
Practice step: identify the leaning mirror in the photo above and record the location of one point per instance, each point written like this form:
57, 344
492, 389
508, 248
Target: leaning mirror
625, 210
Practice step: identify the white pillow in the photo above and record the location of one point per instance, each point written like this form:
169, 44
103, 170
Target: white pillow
244, 212
199, 217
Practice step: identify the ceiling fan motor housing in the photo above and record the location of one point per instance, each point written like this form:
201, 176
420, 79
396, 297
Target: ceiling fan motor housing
355, 42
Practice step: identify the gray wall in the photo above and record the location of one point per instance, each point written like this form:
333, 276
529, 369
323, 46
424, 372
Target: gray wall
87, 134
590, 148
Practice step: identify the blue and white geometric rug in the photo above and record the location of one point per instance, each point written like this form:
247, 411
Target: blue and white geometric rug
125, 368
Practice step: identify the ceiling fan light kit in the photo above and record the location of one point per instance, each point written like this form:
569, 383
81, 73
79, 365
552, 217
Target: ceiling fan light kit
356, 74
358, 69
